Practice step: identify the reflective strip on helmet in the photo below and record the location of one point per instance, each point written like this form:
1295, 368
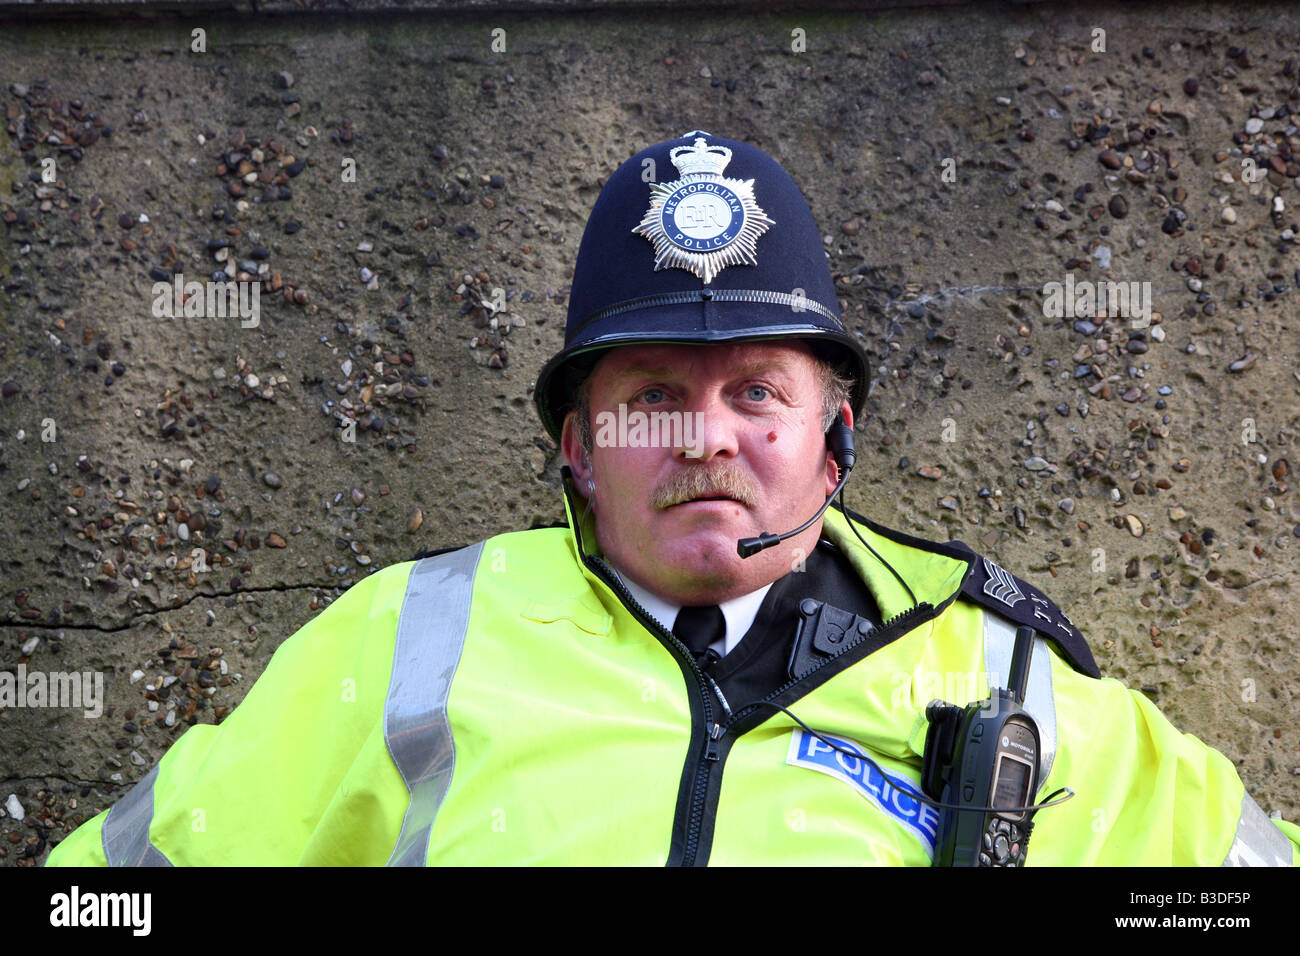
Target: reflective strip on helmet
1258, 841
1040, 704
430, 635
125, 833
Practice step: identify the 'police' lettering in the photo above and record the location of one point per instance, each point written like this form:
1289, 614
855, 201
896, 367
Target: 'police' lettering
890, 793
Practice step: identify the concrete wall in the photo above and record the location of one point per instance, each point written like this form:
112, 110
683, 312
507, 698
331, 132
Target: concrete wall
1154, 506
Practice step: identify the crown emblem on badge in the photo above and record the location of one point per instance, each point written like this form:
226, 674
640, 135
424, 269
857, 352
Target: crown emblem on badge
703, 222
700, 159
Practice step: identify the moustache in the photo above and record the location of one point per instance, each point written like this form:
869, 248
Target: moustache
722, 481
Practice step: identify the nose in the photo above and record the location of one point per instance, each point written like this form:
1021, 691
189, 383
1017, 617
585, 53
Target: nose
709, 429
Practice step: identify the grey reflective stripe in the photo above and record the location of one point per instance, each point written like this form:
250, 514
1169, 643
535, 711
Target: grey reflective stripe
999, 639
125, 833
1259, 842
430, 635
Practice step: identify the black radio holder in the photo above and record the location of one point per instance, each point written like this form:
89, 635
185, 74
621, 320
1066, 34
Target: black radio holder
984, 755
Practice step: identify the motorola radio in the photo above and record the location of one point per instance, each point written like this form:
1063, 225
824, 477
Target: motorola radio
984, 759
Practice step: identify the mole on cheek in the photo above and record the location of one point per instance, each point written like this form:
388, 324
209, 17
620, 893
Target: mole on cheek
771, 436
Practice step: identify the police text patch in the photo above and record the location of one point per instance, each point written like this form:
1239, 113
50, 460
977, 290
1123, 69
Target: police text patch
891, 793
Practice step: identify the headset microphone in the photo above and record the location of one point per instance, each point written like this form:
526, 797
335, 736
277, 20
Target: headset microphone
839, 438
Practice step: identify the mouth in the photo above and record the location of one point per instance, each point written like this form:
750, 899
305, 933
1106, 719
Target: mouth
703, 498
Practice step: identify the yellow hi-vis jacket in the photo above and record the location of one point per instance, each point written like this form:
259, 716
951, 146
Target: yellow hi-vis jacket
510, 703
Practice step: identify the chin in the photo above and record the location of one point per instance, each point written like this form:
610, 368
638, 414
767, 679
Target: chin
701, 549
705, 559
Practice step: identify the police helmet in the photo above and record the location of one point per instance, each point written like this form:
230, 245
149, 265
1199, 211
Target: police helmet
698, 239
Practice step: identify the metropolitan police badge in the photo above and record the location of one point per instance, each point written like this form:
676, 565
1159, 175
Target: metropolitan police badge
703, 222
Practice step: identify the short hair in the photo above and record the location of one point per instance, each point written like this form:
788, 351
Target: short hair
835, 389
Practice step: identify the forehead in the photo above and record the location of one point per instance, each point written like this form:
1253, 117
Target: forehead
725, 359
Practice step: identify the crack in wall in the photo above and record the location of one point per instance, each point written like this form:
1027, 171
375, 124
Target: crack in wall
42, 625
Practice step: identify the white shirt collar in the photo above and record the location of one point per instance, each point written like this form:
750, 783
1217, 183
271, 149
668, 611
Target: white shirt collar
739, 612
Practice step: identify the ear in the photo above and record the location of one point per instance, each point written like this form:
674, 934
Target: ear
575, 455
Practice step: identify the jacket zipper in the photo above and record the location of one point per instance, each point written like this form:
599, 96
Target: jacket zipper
713, 732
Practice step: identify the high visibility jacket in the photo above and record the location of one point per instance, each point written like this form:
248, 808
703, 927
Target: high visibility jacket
510, 703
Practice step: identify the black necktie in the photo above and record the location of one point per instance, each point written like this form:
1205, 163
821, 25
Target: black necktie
698, 627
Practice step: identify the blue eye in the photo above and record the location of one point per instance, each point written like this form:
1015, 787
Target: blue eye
758, 398
648, 395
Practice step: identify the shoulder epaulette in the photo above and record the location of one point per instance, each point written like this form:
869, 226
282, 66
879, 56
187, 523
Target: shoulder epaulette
998, 590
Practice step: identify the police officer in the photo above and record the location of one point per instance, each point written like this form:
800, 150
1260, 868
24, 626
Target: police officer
703, 665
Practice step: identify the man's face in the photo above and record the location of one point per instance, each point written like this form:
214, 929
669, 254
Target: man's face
714, 443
